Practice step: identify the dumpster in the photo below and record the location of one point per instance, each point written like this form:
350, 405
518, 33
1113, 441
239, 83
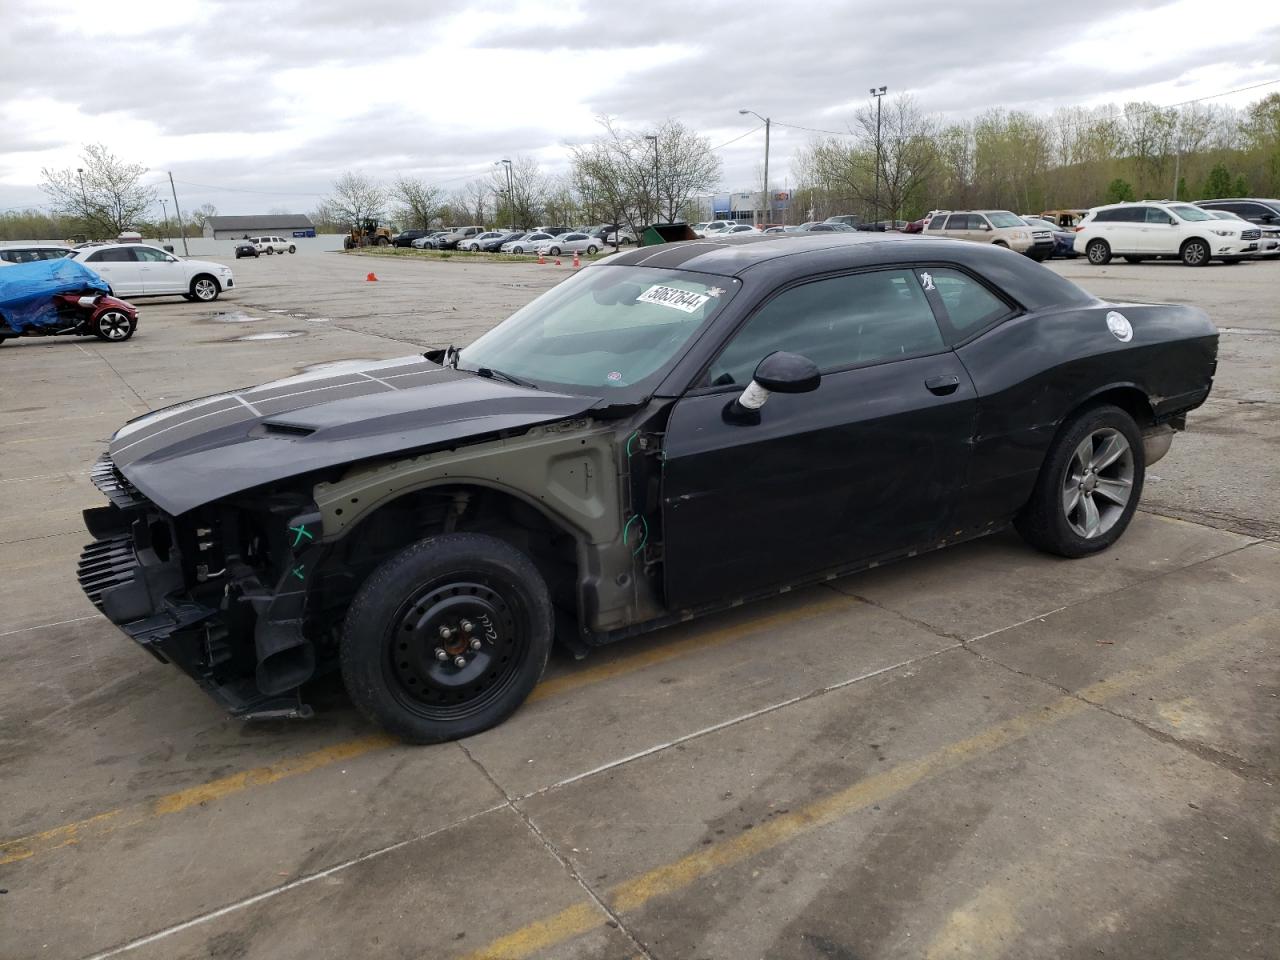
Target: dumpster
665, 233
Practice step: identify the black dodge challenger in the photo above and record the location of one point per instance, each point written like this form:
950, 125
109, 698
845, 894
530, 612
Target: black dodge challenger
670, 431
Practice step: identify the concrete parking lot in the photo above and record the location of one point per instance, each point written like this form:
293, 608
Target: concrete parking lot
985, 752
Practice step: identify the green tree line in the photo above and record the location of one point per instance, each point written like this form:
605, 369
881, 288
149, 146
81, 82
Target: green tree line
1074, 158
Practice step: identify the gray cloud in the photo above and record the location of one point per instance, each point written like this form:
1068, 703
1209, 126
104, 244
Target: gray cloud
805, 65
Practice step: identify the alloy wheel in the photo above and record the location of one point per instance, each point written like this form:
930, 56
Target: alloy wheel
1098, 483
114, 325
205, 289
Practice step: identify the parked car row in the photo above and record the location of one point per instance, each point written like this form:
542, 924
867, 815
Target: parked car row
552, 240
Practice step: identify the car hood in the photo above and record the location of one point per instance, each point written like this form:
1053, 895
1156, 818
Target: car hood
196, 452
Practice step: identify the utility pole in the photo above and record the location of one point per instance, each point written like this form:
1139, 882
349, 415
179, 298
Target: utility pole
165, 211
177, 212
84, 200
879, 95
1177, 156
766, 196
657, 203
511, 192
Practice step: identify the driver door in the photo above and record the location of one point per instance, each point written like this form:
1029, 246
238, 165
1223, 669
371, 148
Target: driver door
871, 463
161, 273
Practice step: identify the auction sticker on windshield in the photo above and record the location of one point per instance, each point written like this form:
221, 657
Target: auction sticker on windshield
673, 297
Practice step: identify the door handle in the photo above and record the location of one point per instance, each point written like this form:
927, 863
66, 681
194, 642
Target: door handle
943, 385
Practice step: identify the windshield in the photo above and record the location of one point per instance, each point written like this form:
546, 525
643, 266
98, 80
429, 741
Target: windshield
1003, 219
607, 327
1191, 213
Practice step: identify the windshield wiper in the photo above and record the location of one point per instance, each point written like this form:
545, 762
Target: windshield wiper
493, 374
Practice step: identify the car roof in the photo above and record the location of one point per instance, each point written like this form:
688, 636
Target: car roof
1028, 282
34, 246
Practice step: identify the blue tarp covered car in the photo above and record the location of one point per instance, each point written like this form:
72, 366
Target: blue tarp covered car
27, 290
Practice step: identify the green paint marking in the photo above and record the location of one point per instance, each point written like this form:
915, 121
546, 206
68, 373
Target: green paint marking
301, 533
299, 570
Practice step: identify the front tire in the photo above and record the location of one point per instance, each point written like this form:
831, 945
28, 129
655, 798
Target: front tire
292, 248
114, 326
1195, 253
554, 251
1098, 252
447, 638
1089, 485
205, 289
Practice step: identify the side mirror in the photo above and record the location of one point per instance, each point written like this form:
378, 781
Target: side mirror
986, 226
779, 372
1173, 221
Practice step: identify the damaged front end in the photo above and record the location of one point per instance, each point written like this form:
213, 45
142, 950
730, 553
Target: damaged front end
221, 591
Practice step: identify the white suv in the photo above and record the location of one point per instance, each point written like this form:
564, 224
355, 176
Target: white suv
1152, 229
135, 270
270, 245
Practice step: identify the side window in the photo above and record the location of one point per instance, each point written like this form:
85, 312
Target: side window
970, 305
147, 255
837, 322
7, 256
117, 255
1156, 215
1106, 216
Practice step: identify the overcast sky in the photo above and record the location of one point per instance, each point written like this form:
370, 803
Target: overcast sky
255, 104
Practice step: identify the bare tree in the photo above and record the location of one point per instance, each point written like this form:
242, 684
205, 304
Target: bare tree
637, 178
419, 202
106, 194
201, 214
355, 199
522, 200
472, 201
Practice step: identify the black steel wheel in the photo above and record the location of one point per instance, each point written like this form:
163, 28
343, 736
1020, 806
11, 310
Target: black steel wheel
1089, 485
114, 326
447, 638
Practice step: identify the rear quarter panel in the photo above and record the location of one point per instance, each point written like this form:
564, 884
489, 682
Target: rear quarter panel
1032, 372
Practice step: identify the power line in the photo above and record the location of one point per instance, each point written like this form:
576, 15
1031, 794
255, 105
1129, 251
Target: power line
740, 136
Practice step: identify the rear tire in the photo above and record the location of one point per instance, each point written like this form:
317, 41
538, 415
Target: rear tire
495, 607
554, 251
1098, 252
591, 250
1195, 253
1095, 462
270, 251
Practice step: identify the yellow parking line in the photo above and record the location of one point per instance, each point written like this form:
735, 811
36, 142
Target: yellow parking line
670, 878
23, 848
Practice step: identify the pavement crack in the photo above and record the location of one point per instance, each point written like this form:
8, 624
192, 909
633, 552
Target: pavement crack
915, 622
614, 919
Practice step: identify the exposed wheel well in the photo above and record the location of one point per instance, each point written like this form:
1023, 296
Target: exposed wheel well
446, 509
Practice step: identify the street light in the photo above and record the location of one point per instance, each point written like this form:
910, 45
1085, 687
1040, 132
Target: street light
511, 197
768, 197
657, 211
878, 94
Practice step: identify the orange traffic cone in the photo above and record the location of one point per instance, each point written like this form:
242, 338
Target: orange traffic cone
541, 258
576, 261
371, 277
